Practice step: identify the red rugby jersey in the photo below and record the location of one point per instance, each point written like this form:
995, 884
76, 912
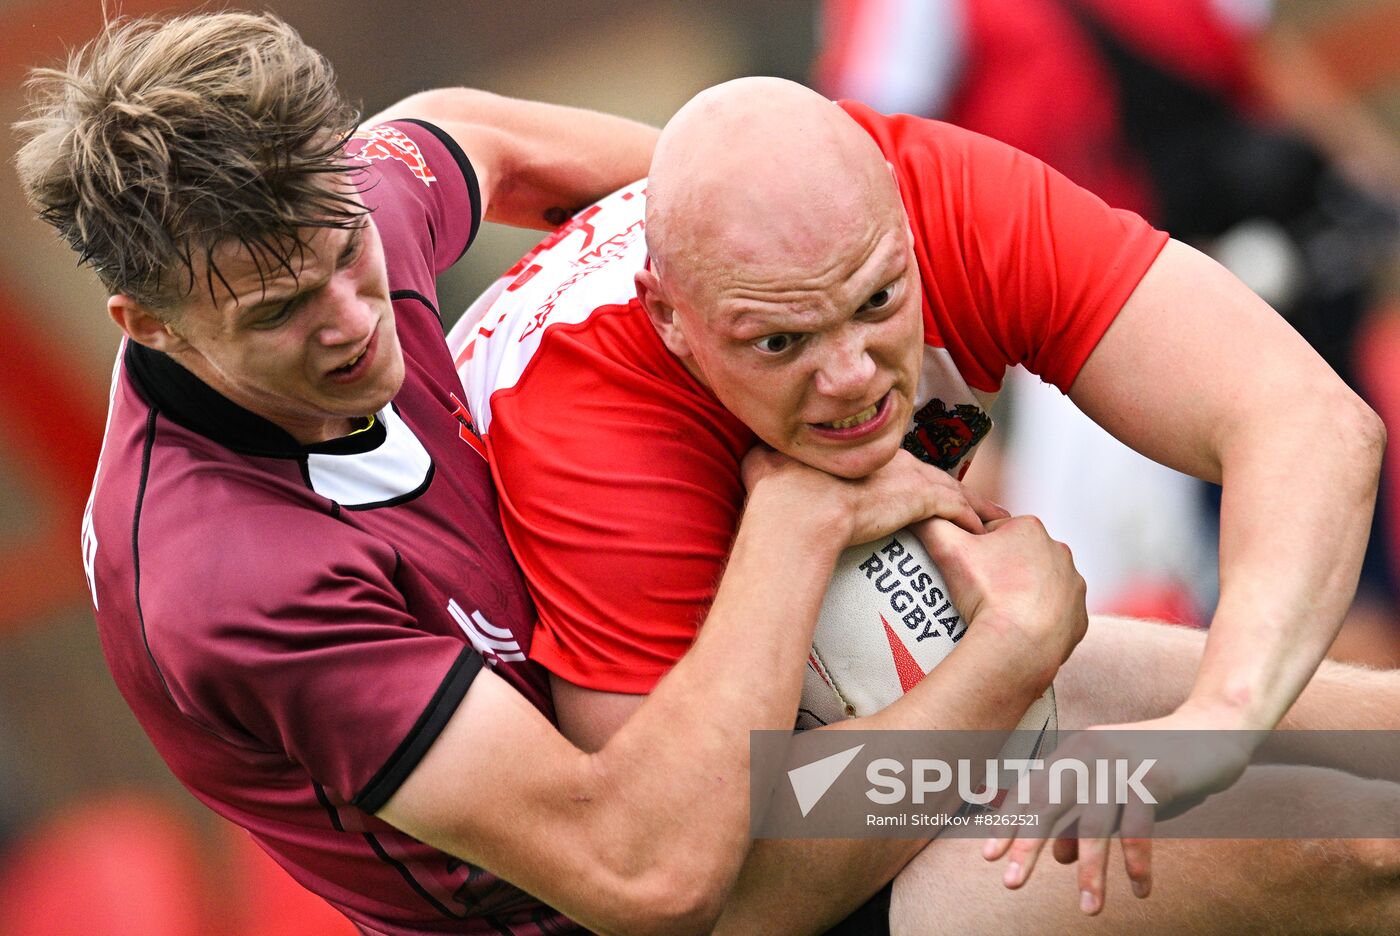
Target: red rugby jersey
618, 472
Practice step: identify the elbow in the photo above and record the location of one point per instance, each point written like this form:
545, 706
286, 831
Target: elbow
1368, 441
669, 901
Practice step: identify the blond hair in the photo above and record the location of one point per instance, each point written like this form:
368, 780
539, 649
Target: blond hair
164, 138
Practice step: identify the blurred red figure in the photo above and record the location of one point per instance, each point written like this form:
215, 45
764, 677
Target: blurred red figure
1038, 74
123, 865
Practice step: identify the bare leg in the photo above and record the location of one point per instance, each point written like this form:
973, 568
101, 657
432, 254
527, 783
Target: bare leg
1127, 670
1200, 886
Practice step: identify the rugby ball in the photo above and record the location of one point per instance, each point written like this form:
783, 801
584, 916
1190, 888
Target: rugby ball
886, 621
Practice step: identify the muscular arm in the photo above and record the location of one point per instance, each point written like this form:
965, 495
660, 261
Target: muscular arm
1024, 603
1199, 374
647, 834
536, 163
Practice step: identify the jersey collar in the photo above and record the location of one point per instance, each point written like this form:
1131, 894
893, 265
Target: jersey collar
193, 404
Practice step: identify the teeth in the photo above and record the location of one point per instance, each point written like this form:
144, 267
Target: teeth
864, 415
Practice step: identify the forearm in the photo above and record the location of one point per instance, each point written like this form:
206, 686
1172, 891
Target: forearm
684, 752
806, 886
1289, 558
563, 158
795, 886
1200, 374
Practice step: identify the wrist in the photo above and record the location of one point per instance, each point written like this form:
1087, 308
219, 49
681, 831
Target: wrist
1018, 659
1224, 710
794, 507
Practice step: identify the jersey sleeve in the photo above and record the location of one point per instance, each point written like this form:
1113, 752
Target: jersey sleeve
620, 493
423, 191
1020, 265
310, 652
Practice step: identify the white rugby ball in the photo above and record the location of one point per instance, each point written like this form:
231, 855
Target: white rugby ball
886, 621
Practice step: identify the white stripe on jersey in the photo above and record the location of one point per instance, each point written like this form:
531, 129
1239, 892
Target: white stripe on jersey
398, 466
591, 266
89, 533
476, 626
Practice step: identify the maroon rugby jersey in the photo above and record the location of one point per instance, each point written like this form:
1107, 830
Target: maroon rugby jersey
293, 625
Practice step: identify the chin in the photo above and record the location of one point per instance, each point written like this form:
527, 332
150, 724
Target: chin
389, 384
854, 463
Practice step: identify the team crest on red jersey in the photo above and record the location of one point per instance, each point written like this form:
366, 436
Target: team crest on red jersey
389, 143
942, 437
466, 429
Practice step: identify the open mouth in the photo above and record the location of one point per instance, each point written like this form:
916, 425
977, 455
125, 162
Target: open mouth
347, 368
851, 422
355, 368
867, 420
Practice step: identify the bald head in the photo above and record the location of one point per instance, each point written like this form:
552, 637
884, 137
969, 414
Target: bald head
760, 172
784, 275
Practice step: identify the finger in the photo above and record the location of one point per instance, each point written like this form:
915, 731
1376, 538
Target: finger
986, 508
1096, 826
1054, 815
953, 504
1066, 847
948, 498
1136, 830
1000, 840
1024, 851
1021, 858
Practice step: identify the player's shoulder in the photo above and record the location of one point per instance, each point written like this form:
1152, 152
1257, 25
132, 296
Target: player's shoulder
229, 519
577, 287
226, 556
920, 146
424, 197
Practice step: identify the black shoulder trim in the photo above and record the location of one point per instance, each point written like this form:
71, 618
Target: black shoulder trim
397, 294
468, 173
425, 731
331, 812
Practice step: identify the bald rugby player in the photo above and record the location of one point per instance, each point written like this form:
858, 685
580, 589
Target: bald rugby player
299, 577
842, 285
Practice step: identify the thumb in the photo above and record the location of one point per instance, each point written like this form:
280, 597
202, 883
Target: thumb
953, 551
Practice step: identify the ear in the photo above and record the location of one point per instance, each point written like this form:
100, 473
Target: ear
142, 325
662, 313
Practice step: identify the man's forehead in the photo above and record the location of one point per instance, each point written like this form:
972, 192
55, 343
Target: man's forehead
239, 274
801, 288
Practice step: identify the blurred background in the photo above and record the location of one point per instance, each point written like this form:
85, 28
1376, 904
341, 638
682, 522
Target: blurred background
1267, 134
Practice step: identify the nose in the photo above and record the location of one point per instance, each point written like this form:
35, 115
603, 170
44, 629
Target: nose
845, 368
348, 316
